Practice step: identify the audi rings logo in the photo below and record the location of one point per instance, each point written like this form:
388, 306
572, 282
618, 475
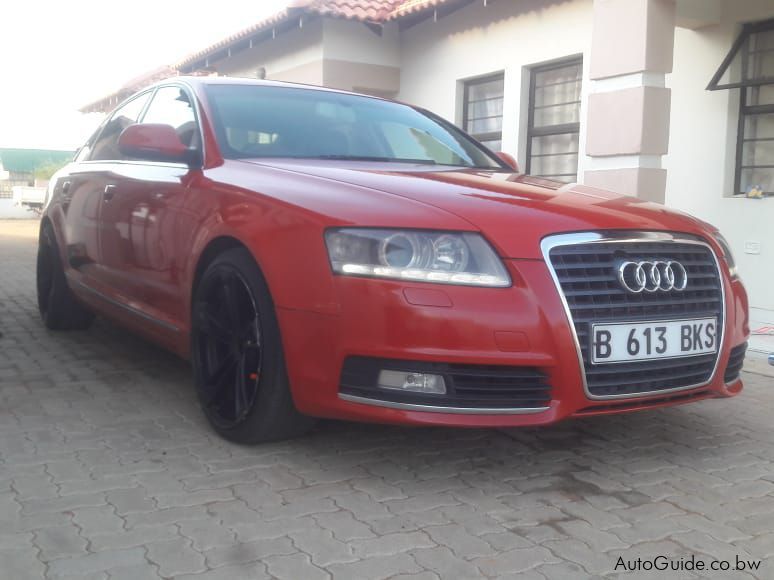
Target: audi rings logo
652, 276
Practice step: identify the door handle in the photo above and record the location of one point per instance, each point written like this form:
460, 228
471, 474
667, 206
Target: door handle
110, 191
66, 187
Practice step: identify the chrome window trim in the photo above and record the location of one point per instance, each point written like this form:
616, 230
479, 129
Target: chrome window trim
151, 91
439, 409
629, 236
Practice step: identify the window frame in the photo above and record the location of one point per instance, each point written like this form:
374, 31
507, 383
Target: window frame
560, 129
467, 84
140, 119
98, 133
195, 105
741, 45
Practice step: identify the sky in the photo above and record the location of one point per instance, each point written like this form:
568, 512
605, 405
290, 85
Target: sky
56, 56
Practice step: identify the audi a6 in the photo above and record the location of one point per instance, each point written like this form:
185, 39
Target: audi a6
318, 253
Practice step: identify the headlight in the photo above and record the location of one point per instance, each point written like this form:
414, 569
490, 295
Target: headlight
727, 254
419, 256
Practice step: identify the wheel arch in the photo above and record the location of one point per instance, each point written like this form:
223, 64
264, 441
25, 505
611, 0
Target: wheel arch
212, 250
47, 221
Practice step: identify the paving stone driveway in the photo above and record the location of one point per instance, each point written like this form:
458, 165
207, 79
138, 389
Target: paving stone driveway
108, 470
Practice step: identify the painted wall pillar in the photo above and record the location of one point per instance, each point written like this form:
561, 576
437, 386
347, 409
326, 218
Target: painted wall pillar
627, 129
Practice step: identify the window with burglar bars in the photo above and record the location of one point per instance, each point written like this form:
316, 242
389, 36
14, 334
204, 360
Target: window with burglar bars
554, 120
749, 66
755, 145
483, 110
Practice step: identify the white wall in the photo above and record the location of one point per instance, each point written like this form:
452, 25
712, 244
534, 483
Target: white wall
289, 50
504, 36
702, 148
355, 42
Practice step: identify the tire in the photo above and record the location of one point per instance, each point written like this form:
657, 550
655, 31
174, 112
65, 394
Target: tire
58, 308
238, 362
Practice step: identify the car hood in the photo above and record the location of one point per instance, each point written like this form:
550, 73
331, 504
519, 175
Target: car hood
514, 211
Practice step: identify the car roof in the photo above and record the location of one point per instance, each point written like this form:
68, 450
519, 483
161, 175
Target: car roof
201, 81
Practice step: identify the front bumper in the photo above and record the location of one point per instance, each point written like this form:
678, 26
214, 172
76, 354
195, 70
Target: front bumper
524, 325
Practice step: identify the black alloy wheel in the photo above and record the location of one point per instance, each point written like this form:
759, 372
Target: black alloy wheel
229, 347
238, 363
58, 308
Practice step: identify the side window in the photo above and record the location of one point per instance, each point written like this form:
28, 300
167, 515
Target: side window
106, 145
172, 106
84, 152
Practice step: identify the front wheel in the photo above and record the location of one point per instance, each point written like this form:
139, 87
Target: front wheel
238, 362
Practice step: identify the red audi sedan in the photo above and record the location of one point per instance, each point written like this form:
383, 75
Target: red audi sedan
317, 253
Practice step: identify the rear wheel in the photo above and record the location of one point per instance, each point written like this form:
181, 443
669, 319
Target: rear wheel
238, 362
58, 307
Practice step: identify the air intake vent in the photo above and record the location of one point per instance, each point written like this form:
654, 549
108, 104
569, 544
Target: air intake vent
735, 363
468, 386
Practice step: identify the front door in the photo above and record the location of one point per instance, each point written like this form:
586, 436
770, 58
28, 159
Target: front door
139, 230
82, 192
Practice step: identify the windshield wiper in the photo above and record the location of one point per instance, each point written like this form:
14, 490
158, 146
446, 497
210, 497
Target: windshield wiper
375, 158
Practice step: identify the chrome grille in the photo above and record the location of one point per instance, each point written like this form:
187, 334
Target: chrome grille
586, 275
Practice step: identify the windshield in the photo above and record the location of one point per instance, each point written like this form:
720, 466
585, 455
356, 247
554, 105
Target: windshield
270, 121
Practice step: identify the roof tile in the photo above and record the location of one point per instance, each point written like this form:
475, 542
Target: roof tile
376, 11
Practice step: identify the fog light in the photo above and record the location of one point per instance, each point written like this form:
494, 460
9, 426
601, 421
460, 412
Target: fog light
415, 382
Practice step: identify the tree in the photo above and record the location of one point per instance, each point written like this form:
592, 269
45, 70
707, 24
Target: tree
46, 170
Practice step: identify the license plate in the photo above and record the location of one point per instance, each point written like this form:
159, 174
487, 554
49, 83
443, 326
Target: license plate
633, 341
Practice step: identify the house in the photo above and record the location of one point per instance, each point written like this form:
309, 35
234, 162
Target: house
18, 168
668, 100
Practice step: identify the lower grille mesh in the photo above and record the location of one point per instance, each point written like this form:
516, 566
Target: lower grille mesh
468, 386
735, 362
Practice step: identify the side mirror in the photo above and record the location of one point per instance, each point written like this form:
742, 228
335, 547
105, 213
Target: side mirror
508, 159
156, 142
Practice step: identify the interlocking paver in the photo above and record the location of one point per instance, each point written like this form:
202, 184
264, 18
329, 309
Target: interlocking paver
206, 534
108, 471
21, 564
323, 548
251, 571
237, 553
97, 520
445, 563
375, 568
514, 561
293, 567
175, 557
390, 544
97, 562
59, 542
165, 516
267, 530
129, 501
132, 538
460, 541
139, 572
343, 526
